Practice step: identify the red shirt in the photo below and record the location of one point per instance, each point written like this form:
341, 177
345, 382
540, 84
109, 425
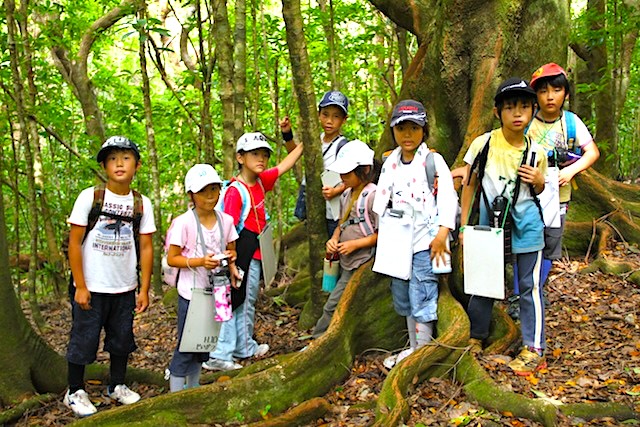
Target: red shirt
257, 220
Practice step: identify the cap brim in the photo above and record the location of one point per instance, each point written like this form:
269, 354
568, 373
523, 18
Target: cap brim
418, 121
326, 104
200, 185
252, 147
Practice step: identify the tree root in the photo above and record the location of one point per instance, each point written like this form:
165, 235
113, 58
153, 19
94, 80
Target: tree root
18, 411
301, 415
453, 330
590, 411
363, 319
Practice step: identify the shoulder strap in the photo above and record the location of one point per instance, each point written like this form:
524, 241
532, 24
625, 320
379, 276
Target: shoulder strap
246, 203
362, 213
342, 141
200, 235
138, 210
96, 209
570, 121
430, 170
223, 243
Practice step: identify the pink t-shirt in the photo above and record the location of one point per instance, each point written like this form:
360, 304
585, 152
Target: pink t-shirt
257, 219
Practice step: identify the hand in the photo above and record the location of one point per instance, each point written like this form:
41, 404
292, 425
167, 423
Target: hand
565, 176
234, 276
142, 302
345, 248
329, 192
285, 125
83, 298
209, 263
531, 175
439, 249
231, 255
332, 245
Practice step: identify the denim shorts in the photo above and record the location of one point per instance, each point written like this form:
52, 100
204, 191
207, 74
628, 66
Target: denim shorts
418, 296
114, 313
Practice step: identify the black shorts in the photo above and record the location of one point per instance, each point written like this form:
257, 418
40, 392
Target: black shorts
114, 313
553, 240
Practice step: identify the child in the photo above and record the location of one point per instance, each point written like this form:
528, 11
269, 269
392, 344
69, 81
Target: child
403, 184
332, 113
203, 185
356, 167
103, 264
508, 174
236, 336
551, 128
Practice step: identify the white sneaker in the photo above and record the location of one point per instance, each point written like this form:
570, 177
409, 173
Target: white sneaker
261, 350
79, 403
220, 365
394, 359
124, 395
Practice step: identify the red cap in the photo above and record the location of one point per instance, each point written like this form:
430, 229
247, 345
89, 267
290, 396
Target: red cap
547, 70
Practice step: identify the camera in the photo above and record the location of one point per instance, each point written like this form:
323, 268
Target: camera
498, 208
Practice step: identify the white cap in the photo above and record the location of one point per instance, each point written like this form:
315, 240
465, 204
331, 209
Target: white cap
252, 141
353, 154
199, 176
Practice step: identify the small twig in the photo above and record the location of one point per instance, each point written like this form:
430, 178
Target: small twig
593, 237
617, 231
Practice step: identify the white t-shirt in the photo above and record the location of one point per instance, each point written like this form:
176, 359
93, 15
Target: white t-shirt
185, 235
329, 153
109, 253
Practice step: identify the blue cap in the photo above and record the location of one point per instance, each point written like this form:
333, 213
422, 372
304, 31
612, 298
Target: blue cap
335, 97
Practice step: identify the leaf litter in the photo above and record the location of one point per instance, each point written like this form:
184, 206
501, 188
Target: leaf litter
593, 355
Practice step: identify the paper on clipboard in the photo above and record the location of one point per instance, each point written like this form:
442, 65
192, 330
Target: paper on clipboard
550, 199
483, 255
332, 179
267, 251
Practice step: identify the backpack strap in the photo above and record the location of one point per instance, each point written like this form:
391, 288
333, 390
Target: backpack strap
363, 219
96, 209
430, 170
342, 141
138, 210
246, 203
570, 121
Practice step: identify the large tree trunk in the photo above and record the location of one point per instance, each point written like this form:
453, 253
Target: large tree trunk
310, 135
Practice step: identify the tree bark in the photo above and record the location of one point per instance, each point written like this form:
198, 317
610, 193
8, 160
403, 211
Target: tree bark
329, 32
310, 135
224, 52
152, 153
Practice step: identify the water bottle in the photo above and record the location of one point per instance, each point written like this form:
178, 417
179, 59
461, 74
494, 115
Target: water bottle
440, 267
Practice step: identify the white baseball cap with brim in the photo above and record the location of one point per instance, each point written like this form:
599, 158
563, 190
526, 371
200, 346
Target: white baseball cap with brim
252, 141
199, 176
354, 153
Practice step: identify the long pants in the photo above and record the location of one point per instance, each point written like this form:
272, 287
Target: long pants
332, 302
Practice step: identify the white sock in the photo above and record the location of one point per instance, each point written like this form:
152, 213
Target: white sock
193, 380
411, 329
176, 383
424, 333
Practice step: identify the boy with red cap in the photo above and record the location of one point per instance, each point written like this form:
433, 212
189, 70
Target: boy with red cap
570, 150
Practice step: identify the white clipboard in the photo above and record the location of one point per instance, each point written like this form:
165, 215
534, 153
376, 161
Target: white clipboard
550, 198
483, 256
394, 248
332, 179
268, 253
201, 331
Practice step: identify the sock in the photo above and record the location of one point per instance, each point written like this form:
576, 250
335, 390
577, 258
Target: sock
117, 371
411, 329
544, 271
75, 377
193, 380
424, 333
176, 383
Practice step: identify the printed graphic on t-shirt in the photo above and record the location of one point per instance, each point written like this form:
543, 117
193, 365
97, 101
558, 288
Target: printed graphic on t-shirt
114, 236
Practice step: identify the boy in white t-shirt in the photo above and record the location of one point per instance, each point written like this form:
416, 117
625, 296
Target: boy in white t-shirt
109, 237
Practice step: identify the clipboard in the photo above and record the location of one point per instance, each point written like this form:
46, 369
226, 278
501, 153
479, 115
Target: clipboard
483, 257
201, 331
332, 179
268, 253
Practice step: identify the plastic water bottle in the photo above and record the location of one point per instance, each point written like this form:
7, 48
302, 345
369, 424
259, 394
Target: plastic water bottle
440, 267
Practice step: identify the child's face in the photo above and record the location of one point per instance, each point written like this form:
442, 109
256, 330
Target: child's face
331, 119
120, 166
516, 115
255, 161
350, 179
408, 135
550, 100
207, 198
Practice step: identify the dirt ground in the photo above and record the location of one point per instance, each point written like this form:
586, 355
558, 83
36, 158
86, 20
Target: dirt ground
593, 355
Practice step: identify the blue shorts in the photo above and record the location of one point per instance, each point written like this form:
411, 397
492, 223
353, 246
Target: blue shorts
418, 296
114, 313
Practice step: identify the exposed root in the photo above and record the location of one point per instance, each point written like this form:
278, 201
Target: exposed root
302, 414
16, 412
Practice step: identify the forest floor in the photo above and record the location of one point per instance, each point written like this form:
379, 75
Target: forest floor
593, 355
